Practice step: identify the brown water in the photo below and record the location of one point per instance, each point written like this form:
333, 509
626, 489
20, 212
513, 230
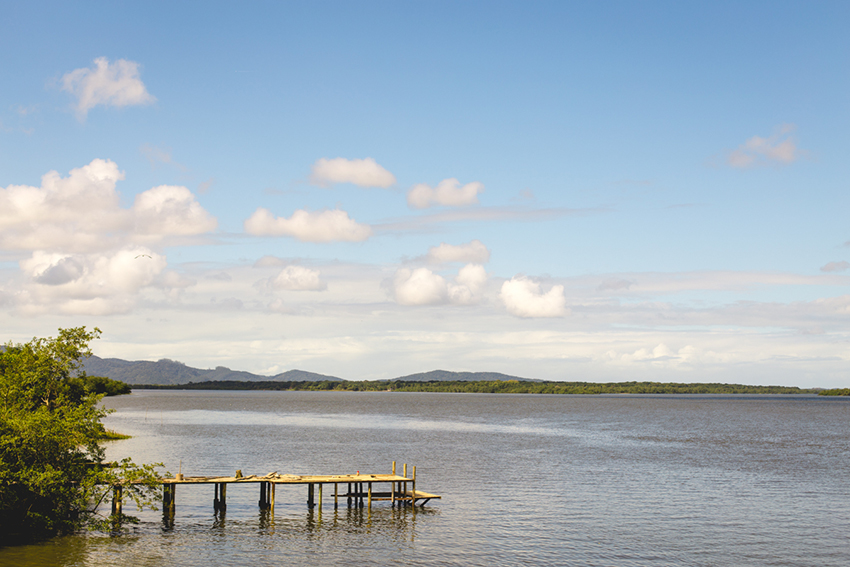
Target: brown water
525, 479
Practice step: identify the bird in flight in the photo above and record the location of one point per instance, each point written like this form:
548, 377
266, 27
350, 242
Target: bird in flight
142, 256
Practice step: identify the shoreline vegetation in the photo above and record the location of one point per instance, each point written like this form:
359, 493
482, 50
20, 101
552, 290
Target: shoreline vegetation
491, 387
53, 474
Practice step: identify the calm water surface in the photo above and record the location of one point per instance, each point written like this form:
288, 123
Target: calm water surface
525, 479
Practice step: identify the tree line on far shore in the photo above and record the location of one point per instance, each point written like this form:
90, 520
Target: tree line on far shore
487, 387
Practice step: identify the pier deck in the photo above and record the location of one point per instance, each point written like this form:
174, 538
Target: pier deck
356, 489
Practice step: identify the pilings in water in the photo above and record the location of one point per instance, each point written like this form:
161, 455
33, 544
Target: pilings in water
360, 491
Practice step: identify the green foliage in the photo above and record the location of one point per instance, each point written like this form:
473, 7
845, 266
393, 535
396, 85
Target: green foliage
102, 385
490, 387
52, 475
835, 392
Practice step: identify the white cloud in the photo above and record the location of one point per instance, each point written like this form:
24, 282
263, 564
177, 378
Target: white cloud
419, 287
423, 287
322, 226
362, 172
523, 297
82, 213
470, 283
474, 252
108, 84
71, 213
170, 210
88, 254
448, 193
97, 284
298, 278
835, 267
778, 149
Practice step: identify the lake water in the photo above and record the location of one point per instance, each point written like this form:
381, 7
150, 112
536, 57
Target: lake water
525, 480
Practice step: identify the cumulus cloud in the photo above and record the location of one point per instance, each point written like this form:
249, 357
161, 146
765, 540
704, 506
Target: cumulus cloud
778, 149
89, 255
835, 266
171, 210
82, 212
70, 213
108, 84
523, 297
322, 226
448, 193
362, 172
423, 287
98, 283
469, 284
298, 278
474, 252
419, 287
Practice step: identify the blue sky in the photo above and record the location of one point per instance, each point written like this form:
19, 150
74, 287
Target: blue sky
569, 191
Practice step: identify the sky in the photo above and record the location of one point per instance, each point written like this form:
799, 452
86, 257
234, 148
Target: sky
581, 191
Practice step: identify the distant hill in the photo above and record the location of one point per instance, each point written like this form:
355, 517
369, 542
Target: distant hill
171, 372
448, 376
167, 371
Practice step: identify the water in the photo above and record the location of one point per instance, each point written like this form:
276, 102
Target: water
525, 479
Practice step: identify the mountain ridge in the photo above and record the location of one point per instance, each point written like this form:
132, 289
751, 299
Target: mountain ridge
172, 372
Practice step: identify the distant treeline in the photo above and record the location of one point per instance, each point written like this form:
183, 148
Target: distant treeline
835, 392
100, 385
488, 387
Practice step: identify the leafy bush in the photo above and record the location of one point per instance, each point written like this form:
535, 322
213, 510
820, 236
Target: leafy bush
52, 475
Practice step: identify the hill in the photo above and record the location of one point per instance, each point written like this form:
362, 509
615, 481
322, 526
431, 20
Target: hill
448, 376
166, 371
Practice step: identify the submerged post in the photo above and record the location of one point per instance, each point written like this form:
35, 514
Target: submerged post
116, 500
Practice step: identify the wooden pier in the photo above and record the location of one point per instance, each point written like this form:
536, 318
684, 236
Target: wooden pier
355, 490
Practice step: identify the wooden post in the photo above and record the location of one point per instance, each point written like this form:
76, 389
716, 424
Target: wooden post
370, 495
168, 502
222, 497
310, 495
262, 502
271, 504
336, 495
321, 484
348, 498
413, 496
215, 498
116, 500
392, 488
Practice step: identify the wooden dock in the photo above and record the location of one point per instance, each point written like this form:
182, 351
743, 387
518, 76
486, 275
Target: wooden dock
355, 490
